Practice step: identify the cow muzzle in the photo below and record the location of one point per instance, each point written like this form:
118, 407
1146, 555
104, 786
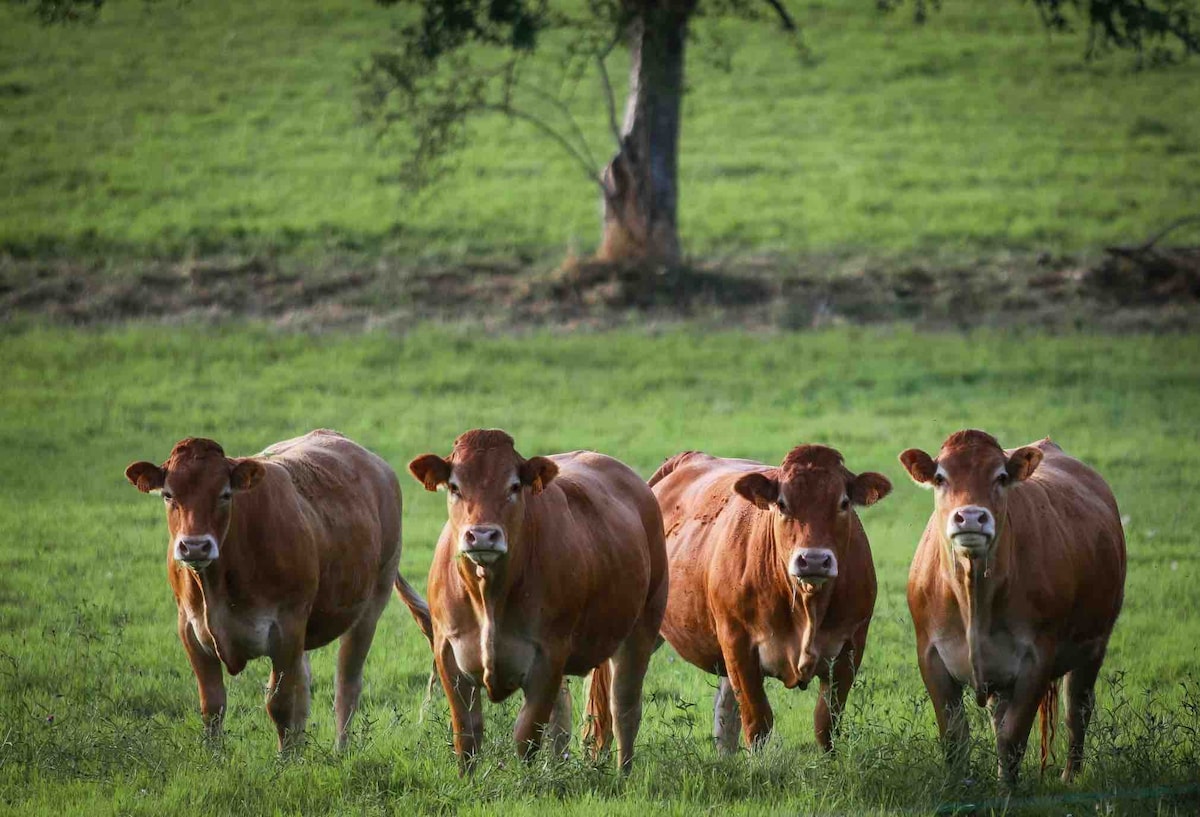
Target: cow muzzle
483, 544
971, 529
196, 552
813, 567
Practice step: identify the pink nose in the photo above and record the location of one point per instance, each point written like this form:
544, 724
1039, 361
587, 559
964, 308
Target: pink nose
970, 519
193, 549
482, 537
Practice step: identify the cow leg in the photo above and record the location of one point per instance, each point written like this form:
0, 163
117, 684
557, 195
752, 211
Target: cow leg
466, 707
288, 690
946, 695
727, 719
352, 655
209, 679
560, 722
835, 688
745, 676
1012, 718
543, 686
1081, 701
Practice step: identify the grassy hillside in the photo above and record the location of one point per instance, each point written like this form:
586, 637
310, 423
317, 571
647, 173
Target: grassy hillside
98, 708
201, 126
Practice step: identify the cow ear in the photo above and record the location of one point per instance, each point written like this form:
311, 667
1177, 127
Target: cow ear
245, 474
869, 488
430, 470
920, 466
146, 476
1023, 462
758, 488
537, 473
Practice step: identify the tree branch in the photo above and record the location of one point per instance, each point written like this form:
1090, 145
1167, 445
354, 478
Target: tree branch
589, 170
785, 19
610, 100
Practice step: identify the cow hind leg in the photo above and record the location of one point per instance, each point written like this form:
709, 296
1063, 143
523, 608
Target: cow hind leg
288, 700
727, 719
835, 688
629, 665
1081, 702
352, 655
560, 722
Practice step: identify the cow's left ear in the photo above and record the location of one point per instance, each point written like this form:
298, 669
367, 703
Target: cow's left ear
146, 476
1023, 462
537, 472
245, 474
869, 488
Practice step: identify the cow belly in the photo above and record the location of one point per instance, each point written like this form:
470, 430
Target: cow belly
1002, 660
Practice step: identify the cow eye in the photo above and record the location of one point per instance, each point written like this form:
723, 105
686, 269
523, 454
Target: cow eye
168, 497
845, 505
226, 495
514, 489
782, 505
939, 480
453, 489
1003, 478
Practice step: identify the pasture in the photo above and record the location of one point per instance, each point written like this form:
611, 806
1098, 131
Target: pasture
98, 710
184, 128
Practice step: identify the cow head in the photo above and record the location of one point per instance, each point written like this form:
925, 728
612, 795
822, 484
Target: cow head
971, 478
197, 484
811, 497
487, 485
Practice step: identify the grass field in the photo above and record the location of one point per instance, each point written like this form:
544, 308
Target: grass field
195, 127
98, 708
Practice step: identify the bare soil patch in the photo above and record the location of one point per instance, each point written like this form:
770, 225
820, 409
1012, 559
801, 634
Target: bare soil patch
1124, 289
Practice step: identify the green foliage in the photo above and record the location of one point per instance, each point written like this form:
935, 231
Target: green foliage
98, 711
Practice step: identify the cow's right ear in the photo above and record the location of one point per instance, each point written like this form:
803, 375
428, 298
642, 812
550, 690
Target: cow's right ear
146, 476
920, 466
430, 470
758, 488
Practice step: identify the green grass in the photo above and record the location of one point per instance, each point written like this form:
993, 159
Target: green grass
177, 127
98, 707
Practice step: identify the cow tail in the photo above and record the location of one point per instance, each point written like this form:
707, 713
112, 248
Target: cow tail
597, 724
669, 465
416, 605
1048, 722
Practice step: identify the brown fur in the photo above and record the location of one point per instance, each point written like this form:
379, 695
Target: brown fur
734, 610
1041, 605
584, 581
308, 548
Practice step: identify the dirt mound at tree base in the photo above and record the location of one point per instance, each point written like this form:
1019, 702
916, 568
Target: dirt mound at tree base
1140, 290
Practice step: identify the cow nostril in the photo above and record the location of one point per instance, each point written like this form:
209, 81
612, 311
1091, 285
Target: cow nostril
983, 517
828, 561
469, 538
958, 518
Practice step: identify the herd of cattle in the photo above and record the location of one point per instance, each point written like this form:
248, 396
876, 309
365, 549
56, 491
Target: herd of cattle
572, 565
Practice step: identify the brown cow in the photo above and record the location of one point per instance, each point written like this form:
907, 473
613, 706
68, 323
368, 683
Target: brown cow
771, 576
275, 555
1017, 581
547, 566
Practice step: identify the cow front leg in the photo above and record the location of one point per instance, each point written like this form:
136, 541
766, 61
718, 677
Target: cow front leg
945, 692
288, 690
542, 689
466, 707
210, 680
835, 688
1012, 719
745, 676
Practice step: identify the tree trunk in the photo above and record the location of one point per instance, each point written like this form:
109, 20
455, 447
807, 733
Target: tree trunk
640, 183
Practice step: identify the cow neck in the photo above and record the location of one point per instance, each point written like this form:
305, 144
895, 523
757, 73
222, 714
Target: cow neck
491, 592
977, 585
812, 605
